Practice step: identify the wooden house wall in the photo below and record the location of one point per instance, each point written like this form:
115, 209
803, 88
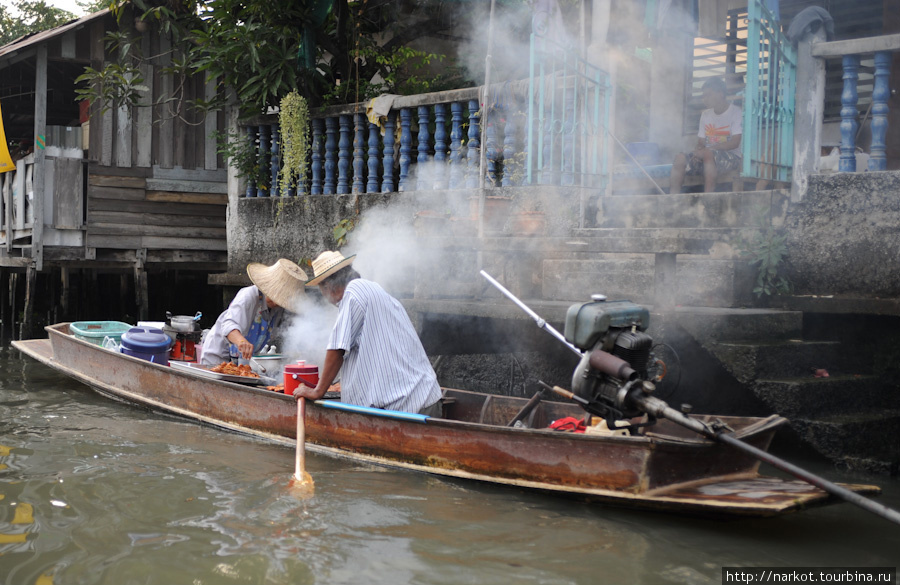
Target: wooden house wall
155, 181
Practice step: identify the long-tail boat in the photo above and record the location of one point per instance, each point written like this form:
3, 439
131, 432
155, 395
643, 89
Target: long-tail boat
664, 466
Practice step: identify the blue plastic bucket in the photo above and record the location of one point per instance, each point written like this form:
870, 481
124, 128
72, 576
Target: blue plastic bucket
147, 343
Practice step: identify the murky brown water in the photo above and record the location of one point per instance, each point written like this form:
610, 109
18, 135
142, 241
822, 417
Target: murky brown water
95, 492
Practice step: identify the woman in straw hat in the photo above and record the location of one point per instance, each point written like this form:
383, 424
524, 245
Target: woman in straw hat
248, 322
373, 345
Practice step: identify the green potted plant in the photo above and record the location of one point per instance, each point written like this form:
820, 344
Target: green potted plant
293, 118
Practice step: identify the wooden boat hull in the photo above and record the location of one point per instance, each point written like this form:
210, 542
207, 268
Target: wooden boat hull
669, 468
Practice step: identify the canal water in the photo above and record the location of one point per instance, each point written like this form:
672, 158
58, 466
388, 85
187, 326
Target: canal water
95, 492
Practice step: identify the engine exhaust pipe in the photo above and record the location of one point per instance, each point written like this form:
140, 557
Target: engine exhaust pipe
612, 366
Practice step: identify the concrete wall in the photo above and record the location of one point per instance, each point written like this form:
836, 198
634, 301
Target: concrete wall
844, 237
263, 229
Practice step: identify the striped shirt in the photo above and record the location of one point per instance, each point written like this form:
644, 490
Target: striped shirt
385, 365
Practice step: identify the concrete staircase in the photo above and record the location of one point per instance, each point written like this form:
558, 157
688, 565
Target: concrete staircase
851, 417
709, 271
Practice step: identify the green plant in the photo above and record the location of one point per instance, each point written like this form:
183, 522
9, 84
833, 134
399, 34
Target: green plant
342, 230
242, 157
766, 249
514, 168
293, 117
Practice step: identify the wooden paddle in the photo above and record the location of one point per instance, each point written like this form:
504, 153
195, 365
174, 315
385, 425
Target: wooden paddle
301, 481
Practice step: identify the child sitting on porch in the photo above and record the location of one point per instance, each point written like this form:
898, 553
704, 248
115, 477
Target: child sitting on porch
718, 140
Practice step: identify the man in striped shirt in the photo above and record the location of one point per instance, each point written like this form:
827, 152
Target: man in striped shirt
373, 345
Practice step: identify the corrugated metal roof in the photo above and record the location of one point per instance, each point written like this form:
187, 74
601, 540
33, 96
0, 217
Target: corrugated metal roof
35, 38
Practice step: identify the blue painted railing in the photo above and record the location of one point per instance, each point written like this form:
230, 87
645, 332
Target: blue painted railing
426, 142
433, 141
568, 118
879, 111
767, 144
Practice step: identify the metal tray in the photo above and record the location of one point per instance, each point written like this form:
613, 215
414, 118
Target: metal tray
204, 372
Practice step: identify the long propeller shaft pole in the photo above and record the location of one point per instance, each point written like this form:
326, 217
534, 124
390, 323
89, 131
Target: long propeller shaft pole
537, 318
659, 409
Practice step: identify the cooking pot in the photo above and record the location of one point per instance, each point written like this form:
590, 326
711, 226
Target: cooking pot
274, 364
183, 323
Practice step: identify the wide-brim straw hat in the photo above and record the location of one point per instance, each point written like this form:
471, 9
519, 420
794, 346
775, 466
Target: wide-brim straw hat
326, 264
282, 282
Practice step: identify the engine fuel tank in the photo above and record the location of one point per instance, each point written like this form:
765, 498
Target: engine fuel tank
587, 323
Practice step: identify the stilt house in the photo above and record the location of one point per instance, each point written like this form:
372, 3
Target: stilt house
127, 205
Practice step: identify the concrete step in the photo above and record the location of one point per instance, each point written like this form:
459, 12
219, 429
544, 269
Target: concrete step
700, 280
787, 359
870, 437
810, 397
709, 324
690, 210
720, 239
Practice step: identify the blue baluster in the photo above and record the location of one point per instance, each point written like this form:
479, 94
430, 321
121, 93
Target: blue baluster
456, 169
343, 181
510, 136
405, 146
849, 114
331, 128
251, 180
473, 153
493, 153
318, 128
359, 151
276, 160
387, 183
440, 146
880, 95
374, 135
263, 157
424, 147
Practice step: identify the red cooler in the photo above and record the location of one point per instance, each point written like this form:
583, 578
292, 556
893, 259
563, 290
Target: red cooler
296, 374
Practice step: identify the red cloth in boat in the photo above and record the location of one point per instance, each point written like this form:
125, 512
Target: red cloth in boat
569, 424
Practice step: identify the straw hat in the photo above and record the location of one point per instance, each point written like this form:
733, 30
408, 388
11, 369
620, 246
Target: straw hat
282, 282
326, 264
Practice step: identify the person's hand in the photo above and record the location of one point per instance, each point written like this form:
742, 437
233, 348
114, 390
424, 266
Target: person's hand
246, 349
304, 391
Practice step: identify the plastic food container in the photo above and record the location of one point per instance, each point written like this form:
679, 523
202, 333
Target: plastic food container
147, 343
96, 331
295, 374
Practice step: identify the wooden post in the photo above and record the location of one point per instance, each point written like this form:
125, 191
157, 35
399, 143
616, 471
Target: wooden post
4, 307
53, 310
140, 286
13, 295
64, 291
28, 308
40, 131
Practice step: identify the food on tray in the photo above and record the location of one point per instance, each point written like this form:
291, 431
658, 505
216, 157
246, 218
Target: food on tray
231, 369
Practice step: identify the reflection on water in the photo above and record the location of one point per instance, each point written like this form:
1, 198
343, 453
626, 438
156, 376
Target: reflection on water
96, 492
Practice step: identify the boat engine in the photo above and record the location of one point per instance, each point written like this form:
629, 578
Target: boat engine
616, 356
